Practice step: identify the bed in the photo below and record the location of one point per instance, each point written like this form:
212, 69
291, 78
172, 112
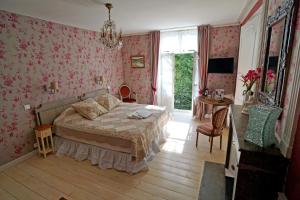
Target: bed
112, 140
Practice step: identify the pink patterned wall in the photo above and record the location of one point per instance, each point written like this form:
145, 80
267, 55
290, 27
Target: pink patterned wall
276, 38
138, 79
32, 54
224, 42
273, 5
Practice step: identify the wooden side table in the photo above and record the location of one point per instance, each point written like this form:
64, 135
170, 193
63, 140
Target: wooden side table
44, 139
211, 101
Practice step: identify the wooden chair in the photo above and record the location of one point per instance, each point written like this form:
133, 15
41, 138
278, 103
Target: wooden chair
127, 95
213, 129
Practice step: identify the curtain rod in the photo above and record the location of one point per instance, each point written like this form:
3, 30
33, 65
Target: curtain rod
179, 29
195, 27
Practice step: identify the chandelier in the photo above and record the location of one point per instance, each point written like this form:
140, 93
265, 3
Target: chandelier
109, 37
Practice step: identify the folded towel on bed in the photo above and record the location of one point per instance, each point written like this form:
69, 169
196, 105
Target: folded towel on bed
139, 114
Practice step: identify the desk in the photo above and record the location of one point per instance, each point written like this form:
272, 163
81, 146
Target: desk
214, 102
210, 101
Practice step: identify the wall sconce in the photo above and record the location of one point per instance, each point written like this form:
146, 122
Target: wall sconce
99, 80
53, 88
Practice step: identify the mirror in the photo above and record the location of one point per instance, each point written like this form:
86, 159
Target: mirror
279, 36
271, 71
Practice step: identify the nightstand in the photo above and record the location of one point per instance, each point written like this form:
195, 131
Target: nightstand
44, 139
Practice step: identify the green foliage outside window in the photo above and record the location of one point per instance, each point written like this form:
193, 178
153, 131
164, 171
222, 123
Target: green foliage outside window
183, 81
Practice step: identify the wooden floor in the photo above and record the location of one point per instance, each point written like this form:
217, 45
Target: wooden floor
174, 174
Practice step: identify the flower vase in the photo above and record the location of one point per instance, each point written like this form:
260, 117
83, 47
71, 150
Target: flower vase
248, 101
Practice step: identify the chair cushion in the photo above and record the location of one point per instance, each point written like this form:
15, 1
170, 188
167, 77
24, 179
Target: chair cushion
128, 100
124, 91
219, 117
205, 129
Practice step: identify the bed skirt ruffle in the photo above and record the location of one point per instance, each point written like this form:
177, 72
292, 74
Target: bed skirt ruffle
104, 158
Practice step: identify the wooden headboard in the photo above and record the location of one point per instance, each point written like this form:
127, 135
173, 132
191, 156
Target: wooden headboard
94, 93
48, 112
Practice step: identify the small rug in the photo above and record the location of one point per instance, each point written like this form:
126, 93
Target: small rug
214, 185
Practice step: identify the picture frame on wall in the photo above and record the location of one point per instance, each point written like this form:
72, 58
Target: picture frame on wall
137, 61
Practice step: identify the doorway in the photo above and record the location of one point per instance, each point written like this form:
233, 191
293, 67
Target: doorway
183, 81
176, 69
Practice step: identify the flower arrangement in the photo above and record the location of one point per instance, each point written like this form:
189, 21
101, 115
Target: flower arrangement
270, 80
270, 75
250, 78
204, 92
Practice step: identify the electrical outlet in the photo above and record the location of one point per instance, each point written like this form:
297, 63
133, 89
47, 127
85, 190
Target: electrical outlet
27, 107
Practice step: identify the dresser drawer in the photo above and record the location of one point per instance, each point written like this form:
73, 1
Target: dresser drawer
233, 162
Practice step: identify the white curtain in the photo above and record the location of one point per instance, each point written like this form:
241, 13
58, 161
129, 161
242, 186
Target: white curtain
195, 77
165, 81
184, 41
171, 43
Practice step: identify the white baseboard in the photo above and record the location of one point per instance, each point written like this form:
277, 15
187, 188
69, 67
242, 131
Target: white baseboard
18, 160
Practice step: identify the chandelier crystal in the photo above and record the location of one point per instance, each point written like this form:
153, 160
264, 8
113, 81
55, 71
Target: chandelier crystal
109, 36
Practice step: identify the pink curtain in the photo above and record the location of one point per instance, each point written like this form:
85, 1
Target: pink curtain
154, 39
203, 53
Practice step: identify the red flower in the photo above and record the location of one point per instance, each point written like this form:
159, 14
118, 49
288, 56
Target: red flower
251, 77
258, 70
270, 74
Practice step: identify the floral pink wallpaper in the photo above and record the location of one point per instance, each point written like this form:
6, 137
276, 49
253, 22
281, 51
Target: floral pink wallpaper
224, 42
32, 54
137, 79
273, 5
276, 38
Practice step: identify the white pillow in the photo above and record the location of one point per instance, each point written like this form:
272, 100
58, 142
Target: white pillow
108, 101
89, 108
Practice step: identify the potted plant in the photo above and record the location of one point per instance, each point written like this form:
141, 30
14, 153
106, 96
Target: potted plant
249, 80
270, 81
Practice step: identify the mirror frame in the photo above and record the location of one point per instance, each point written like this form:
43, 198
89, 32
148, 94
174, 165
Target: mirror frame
287, 12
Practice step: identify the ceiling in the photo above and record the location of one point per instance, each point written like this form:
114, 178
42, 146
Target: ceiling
132, 16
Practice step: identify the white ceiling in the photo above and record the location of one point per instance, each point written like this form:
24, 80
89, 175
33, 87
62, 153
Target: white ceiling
132, 16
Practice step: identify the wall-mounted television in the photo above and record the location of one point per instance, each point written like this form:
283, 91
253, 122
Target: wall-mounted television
273, 63
221, 65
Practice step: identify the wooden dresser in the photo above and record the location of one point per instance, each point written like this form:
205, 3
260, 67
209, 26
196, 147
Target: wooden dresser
258, 172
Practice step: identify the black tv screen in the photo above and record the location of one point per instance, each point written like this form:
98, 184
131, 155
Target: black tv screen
220, 65
273, 62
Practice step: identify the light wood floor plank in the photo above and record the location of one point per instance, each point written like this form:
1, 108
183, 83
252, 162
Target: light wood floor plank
125, 179
77, 179
52, 181
176, 187
174, 170
172, 186
5, 195
109, 182
177, 158
174, 174
34, 184
68, 163
173, 177
167, 194
18, 190
179, 165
